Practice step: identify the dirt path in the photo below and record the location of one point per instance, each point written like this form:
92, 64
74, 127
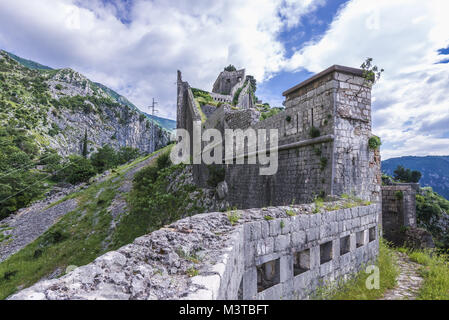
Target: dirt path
31, 222
408, 282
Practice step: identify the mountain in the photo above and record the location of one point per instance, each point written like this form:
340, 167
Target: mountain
434, 169
167, 124
59, 106
28, 63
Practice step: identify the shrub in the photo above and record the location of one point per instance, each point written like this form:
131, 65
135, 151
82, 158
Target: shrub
79, 170
217, 174
374, 143
230, 68
269, 113
163, 161
399, 195
314, 132
235, 99
126, 154
233, 217
323, 163
105, 158
54, 130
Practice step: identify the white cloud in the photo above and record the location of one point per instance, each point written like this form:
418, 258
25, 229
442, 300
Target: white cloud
403, 37
140, 59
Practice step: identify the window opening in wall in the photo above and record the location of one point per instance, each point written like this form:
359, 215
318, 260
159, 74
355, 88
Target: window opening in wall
268, 275
345, 245
372, 234
326, 252
360, 238
301, 262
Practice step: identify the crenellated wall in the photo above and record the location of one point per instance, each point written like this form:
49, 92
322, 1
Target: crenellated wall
204, 256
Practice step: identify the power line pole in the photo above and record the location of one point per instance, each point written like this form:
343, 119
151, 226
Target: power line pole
152, 107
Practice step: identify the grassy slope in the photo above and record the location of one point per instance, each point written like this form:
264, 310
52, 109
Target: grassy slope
356, 289
435, 271
76, 239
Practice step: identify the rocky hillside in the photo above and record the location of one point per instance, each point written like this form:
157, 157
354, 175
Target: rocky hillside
58, 107
434, 169
75, 226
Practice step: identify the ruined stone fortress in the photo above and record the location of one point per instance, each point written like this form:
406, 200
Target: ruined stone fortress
276, 243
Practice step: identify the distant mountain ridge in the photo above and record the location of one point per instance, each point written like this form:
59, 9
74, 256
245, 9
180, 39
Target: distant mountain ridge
28, 63
434, 169
166, 124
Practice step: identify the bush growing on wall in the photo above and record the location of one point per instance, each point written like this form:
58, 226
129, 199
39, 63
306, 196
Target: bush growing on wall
374, 143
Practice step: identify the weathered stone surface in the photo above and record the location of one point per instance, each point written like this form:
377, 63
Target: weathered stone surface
219, 256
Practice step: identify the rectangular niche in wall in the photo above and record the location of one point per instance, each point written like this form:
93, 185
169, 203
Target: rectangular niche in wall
301, 262
372, 234
325, 252
360, 238
268, 275
345, 245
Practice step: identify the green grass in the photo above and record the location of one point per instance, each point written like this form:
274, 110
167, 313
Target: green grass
77, 238
200, 111
233, 217
356, 289
435, 271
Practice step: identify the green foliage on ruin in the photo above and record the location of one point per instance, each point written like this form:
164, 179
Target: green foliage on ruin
399, 195
374, 143
314, 132
233, 217
235, 99
269, 113
230, 68
371, 73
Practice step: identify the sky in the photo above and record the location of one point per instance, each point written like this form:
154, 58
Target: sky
136, 46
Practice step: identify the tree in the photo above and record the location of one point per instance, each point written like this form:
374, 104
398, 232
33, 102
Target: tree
105, 158
79, 170
126, 154
85, 144
406, 175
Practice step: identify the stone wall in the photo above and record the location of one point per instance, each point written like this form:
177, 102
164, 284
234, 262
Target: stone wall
336, 105
398, 211
323, 143
207, 257
227, 81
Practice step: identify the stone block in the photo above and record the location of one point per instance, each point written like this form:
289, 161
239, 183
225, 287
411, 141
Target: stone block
281, 243
298, 238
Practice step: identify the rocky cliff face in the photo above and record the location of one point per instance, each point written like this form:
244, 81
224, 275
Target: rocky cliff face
60, 106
